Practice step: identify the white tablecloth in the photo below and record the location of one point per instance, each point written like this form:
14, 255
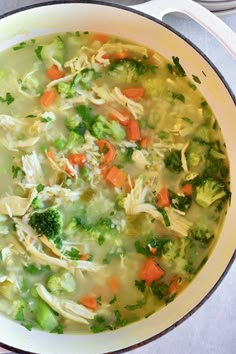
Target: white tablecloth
212, 329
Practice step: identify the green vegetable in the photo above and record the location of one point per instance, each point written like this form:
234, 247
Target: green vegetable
53, 51
177, 68
178, 96
208, 192
66, 90
196, 79
72, 122
173, 161
162, 244
45, 316
180, 202
139, 304
8, 99
129, 70
206, 111
40, 187
59, 144
141, 285
60, 282
202, 235
85, 77
86, 115
48, 223
19, 46
196, 153
74, 139
202, 134
33, 269
160, 289
38, 51
37, 203
58, 329
99, 324
102, 128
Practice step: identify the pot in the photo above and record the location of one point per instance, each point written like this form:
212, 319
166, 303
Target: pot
141, 24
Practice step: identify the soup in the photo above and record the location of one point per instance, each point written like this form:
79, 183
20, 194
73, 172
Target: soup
114, 182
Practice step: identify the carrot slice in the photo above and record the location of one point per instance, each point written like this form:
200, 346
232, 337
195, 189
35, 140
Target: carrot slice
104, 169
121, 55
145, 142
84, 257
107, 148
116, 177
89, 302
48, 98
163, 199
150, 271
113, 284
133, 130
133, 93
101, 37
77, 159
53, 73
120, 116
187, 189
176, 284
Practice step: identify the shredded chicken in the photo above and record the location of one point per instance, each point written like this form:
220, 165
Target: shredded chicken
135, 108
183, 157
16, 206
59, 195
178, 223
67, 308
139, 159
78, 63
33, 171
61, 164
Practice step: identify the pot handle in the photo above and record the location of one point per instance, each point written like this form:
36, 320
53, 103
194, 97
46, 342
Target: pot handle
159, 8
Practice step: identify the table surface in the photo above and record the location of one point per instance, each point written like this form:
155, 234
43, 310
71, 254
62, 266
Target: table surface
212, 329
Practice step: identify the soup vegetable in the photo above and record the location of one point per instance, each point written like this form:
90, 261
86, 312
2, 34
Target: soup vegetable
114, 182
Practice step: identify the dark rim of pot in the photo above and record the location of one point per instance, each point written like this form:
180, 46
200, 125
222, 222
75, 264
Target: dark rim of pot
221, 77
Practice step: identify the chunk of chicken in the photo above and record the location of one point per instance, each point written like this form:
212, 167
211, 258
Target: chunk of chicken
16, 206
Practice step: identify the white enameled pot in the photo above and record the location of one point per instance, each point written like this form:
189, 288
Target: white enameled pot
142, 24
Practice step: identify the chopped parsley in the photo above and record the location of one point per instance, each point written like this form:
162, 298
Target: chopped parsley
8, 99
196, 79
20, 46
32, 269
139, 304
178, 96
38, 51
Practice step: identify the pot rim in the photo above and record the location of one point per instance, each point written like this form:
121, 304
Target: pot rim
230, 92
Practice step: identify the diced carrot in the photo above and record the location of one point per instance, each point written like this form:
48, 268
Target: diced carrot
145, 142
163, 199
89, 302
133, 93
133, 130
176, 284
120, 116
116, 177
53, 73
121, 55
150, 271
101, 37
187, 189
104, 169
50, 154
77, 159
107, 148
48, 98
84, 257
113, 284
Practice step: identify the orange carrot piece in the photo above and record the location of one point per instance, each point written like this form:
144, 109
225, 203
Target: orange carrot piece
50, 154
116, 177
113, 284
77, 159
84, 257
107, 148
53, 73
48, 98
163, 199
133, 130
104, 169
121, 55
120, 116
145, 142
101, 37
89, 302
133, 93
187, 189
150, 271
176, 284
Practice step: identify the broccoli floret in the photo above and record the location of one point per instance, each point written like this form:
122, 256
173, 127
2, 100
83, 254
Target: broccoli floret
74, 225
86, 115
196, 153
53, 51
209, 191
160, 289
180, 202
72, 122
85, 77
66, 90
48, 223
129, 70
59, 282
103, 128
173, 161
74, 139
37, 203
202, 134
204, 236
